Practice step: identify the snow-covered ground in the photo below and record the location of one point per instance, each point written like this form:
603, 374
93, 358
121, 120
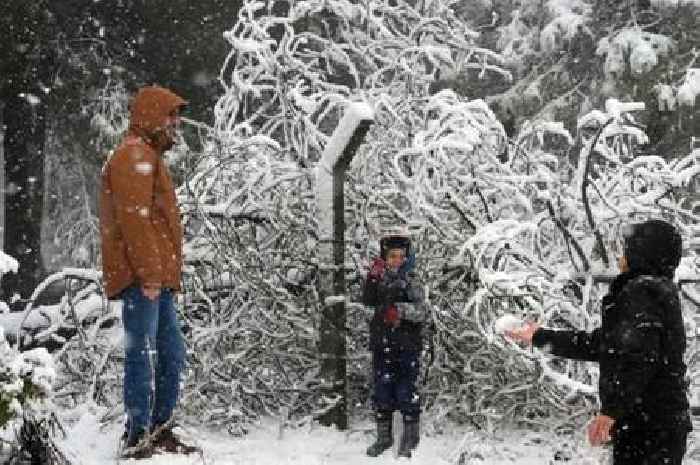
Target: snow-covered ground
316, 445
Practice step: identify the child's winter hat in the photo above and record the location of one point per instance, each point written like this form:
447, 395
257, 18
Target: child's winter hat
394, 242
394, 238
654, 247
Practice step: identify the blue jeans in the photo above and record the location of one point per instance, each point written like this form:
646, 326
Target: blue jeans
150, 326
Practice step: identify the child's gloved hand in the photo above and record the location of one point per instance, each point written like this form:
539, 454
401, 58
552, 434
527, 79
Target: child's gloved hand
377, 269
391, 316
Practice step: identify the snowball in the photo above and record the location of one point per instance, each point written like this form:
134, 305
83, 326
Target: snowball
507, 323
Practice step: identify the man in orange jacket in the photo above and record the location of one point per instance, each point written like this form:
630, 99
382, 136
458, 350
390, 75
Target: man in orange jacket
141, 259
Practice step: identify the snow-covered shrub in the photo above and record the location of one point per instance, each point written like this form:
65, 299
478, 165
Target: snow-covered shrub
8, 264
568, 55
25, 379
84, 333
26, 407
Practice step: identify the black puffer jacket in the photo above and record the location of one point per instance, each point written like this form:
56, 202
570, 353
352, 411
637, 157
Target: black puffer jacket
395, 289
640, 347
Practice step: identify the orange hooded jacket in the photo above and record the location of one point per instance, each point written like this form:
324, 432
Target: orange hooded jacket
140, 222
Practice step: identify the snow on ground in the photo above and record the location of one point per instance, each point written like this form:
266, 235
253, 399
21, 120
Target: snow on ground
316, 445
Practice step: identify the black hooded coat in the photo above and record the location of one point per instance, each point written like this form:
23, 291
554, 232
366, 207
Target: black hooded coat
641, 341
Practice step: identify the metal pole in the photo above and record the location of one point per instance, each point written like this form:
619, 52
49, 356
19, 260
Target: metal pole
330, 175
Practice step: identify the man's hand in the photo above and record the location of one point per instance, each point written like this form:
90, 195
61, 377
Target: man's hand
600, 430
377, 269
523, 334
151, 291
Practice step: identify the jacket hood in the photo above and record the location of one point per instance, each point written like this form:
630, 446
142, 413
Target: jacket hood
149, 109
653, 247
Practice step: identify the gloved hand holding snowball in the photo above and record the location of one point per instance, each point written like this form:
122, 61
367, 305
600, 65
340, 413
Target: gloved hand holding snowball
516, 329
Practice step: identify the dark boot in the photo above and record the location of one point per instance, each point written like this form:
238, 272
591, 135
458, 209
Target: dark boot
163, 439
411, 435
137, 445
384, 438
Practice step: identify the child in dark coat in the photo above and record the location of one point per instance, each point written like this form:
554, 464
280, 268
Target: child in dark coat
640, 347
395, 342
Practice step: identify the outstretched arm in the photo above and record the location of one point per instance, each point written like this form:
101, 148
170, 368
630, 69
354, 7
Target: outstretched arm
577, 345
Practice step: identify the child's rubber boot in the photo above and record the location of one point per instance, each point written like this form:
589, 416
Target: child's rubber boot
384, 438
411, 435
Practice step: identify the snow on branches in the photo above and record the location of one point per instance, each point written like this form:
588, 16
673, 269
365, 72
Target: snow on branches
253, 302
26, 407
289, 75
25, 378
634, 49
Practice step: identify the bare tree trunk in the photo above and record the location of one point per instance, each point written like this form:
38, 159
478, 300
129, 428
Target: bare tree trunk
2, 179
26, 66
25, 126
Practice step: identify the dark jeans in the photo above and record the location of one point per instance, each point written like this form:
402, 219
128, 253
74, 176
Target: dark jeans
396, 371
645, 447
150, 326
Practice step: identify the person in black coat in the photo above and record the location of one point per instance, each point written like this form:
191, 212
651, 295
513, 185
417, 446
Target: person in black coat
640, 346
395, 342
